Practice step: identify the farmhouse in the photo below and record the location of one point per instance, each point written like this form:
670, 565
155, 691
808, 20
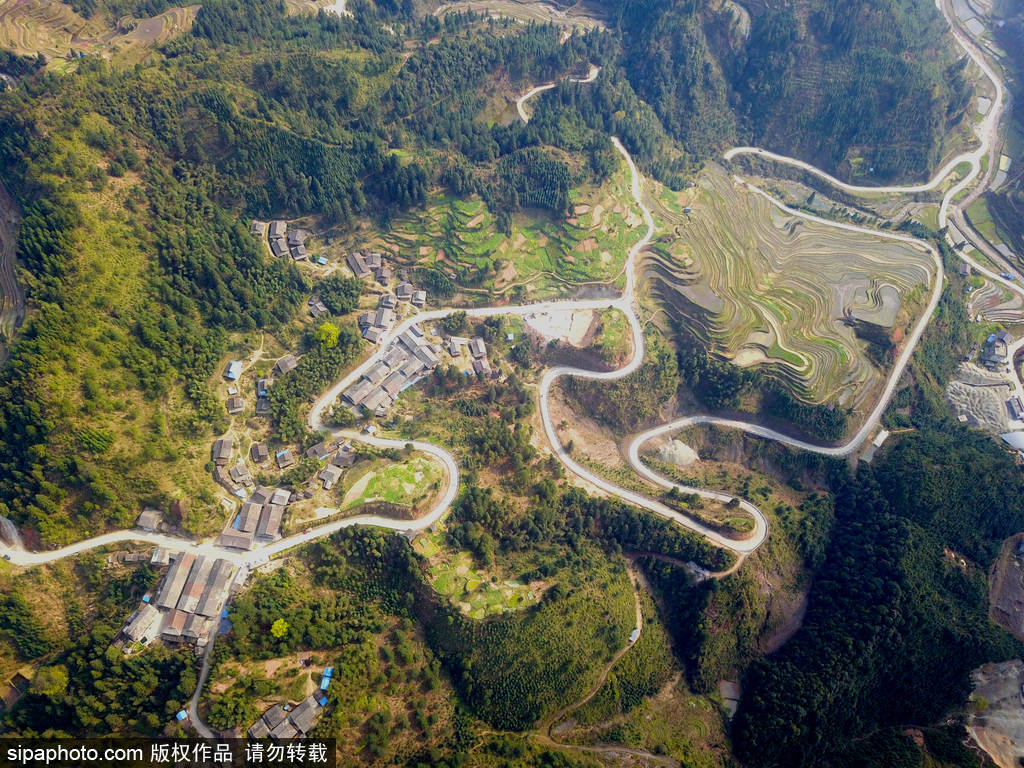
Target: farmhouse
389, 301
143, 627
278, 248
284, 458
317, 308
419, 298
404, 291
221, 452
374, 261
477, 348
285, 364
373, 334
343, 459
278, 229
259, 452
384, 275
269, 526
330, 475
149, 520
240, 474
320, 451
995, 353
357, 264
235, 405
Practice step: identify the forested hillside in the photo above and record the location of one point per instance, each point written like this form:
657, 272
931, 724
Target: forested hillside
860, 88
136, 186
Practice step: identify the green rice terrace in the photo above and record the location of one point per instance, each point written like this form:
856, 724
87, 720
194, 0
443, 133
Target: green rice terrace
475, 593
542, 256
822, 307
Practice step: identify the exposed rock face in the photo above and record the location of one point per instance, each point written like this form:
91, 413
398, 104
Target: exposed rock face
678, 453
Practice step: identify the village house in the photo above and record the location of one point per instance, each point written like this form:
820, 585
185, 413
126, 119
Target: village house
419, 298
284, 459
235, 405
477, 348
320, 451
384, 275
259, 452
404, 291
278, 229
285, 364
278, 248
357, 264
330, 475
374, 261
995, 353
317, 308
221, 451
389, 301
233, 371
150, 519
343, 459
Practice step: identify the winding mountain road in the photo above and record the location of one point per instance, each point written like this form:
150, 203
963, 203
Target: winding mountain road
627, 304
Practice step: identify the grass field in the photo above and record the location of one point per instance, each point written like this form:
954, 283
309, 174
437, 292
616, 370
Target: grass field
476, 593
407, 483
767, 288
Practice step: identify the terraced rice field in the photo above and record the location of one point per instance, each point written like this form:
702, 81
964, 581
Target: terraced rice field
52, 28
543, 255
473, 591
767, 288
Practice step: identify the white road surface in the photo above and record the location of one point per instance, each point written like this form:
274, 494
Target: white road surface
625, 303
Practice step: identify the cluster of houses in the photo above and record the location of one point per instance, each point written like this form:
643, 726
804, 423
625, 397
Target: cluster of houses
235, 479
258, 520
284, 242
235, 404
375, 325
284, 722
371, 264
188, 605
405, 362
342, 460
477, 350
996, 351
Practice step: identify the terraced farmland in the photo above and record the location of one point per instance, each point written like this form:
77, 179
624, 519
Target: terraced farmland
52, 28
476, 594
766, 288
543, 256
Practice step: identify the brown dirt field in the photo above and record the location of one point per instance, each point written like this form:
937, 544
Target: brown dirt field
589, 438
588, 245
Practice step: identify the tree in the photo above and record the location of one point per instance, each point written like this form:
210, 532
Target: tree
327, 335
279, 628
51, 681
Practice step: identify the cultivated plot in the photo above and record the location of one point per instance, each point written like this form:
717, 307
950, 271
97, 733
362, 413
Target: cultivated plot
823, 307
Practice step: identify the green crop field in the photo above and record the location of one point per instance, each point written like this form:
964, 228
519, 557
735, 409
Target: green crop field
406, 483
767, 288
474, 592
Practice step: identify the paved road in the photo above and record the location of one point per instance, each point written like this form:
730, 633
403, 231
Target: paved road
591, 77
633, 450
987, 131
625, 303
